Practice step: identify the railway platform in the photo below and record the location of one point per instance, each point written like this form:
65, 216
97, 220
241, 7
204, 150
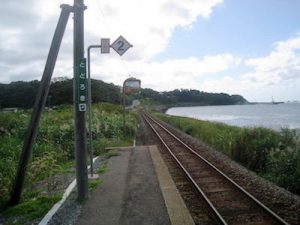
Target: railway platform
137, 189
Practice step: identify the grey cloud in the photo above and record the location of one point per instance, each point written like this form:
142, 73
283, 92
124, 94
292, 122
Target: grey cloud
24, 41
17, 13
291, 74
29, 71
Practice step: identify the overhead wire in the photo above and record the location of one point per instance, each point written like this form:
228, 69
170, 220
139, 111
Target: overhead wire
110, 32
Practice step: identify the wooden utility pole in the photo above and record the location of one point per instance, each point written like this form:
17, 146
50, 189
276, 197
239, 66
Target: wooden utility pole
80, 130
39, 105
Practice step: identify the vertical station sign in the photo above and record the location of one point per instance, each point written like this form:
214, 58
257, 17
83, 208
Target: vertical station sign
82, 88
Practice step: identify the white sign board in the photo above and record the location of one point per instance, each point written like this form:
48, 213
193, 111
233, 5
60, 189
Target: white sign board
105, 45
121, 45
133, 83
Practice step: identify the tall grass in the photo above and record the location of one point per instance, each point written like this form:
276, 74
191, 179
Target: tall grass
273, 155
55, 141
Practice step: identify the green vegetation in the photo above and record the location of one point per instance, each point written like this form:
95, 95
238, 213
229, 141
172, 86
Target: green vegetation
273, 155
61, 92
30, 210
187, 97
53, 153
112, 153
94, 183
102, 169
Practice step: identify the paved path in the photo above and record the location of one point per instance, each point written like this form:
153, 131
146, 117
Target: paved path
135, 191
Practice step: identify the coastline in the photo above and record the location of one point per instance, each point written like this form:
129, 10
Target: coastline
273, 116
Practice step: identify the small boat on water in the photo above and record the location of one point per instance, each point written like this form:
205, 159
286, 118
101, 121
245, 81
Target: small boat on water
275, 103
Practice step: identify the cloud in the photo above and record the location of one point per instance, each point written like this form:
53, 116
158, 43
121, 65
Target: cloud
166, 75
282, 63
23, 16
27, 29
267, 76
148, 25
253, 91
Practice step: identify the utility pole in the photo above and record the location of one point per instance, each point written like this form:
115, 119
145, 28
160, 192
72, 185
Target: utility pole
79, 113
80, 130
39, 104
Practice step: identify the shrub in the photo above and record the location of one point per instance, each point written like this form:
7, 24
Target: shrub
274, 155
45, 168
253, 145
55, 140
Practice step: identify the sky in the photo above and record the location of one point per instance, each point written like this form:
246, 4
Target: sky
248, 47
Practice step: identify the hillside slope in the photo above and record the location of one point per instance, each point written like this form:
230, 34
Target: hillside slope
22, 94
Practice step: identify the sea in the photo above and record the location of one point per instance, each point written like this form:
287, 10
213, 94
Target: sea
274, 116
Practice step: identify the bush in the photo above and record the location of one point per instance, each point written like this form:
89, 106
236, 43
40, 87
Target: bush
253, 145
45, 168
55, 140
274, 155
283, 168
10, 148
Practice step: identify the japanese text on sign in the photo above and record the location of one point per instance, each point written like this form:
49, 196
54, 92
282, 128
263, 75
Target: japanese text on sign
82, 88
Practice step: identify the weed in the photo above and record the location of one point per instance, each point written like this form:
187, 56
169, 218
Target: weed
45, 168
53, 151
32, 209
102, 169
112, 153
274, 155
94, 183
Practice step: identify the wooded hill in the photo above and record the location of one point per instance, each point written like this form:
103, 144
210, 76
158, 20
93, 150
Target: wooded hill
22, 94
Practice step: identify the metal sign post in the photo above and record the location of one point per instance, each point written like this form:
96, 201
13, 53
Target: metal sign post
90, 135
121, 45
130, 85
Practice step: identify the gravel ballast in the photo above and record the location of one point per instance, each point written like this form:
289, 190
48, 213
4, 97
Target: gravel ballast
283, 202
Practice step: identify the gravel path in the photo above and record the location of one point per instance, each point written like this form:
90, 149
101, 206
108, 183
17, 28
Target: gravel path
70, 210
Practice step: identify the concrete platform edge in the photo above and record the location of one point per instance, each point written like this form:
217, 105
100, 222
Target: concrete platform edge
57, 205
176, 207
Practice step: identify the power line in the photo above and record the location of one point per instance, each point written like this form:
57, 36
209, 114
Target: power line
109, 31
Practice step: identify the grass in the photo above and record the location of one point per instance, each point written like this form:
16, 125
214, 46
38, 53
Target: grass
102, 169
30, 210
94, 183
273, 155
68, 167
53, 152
112, 153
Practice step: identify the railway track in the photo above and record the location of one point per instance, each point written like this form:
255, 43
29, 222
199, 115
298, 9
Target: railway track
227, 202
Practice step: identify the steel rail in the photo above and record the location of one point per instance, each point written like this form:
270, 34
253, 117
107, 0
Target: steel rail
269, 211
209, 203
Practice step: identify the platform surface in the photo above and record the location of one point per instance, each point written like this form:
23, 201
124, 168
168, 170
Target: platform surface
136, 190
